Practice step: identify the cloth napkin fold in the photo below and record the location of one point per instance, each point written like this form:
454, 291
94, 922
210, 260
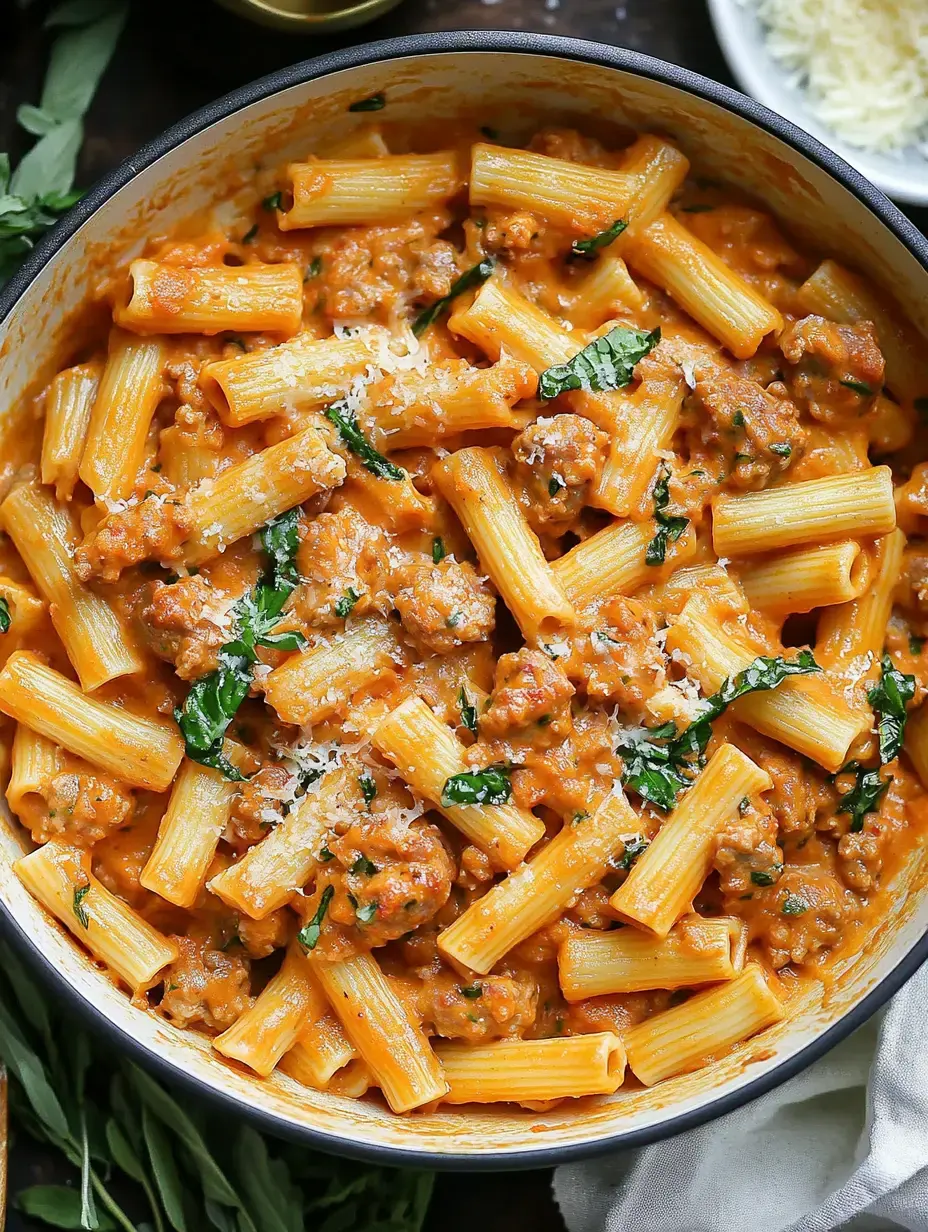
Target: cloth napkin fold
842, 1145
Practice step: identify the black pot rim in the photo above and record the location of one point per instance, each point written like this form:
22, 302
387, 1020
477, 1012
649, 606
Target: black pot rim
309, 70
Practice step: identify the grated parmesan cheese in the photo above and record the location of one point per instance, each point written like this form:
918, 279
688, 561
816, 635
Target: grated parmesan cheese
863, 64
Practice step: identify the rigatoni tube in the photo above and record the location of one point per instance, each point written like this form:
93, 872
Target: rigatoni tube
68, 405
378, 1024
471, 481
141, 751
427, 754
857, 628
59, 877
330, 192
515, 908
532, 1071
807, 578
612, 562
682, 1038
321, 1051
815, 511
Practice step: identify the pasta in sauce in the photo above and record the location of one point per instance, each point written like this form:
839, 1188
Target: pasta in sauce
460, 627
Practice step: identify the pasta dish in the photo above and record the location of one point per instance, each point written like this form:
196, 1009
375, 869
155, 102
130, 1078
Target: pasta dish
462, 618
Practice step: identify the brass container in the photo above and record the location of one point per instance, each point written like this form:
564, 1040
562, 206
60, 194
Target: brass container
311, 16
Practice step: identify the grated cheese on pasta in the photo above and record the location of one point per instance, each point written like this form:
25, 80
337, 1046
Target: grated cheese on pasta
864, 64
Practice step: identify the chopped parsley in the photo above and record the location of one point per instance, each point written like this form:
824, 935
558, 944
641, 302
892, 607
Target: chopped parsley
555, 484
738, 419
80, 893
364, 867
345, 605
376, 102
859, 387
471, 991
438, 550
325, 855
634, 847
308, 935
5, 618
454, 619
766, 877
366, 912
915, 644
490, 786
606, 363
368, 790
468, 712
586, 250
669, 526
793, 904
354, 439
474, 277
782, 448
273, 201
313, 270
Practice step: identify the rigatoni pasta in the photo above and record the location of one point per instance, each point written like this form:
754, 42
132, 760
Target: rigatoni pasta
456, 642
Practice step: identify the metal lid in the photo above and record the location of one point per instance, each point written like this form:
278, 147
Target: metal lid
310, 16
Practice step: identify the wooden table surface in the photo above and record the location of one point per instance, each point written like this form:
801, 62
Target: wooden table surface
180, 54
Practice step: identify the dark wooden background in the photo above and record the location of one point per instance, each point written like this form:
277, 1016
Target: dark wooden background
177, 55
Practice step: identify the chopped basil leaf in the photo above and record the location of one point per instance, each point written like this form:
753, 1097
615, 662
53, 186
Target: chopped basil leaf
859, 387
767, 877
659, 766
782, 448
490, 786
738, 419
915, 644
888, 699
555, 484
80, 893
366, 912
354, 439
864, 797
345, 605
473, 277
250, 234
368, 790
314, 269
471, 991
376, 102
794, 905
273, 201
214, 699
669, 526
587, 249
5, 618
634, 847
606, 363
308, 935
325, 855
363, 865
438, 550
468, 712
454, 619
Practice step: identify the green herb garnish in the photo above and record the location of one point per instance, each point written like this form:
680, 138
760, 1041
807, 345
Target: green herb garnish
314, 269
273, 201
586, 250
473, 277
669, 526
782, 448
468, 712
794, 905
5, 618
865, 796
308, 935
438, 550
888, 699
80, 893
555, 484
471, 991
345, 605
634, 847
766, 877
376, 102
606, 363
490, 786
250, 234
354, 439
859, 387
363, 866
368, 787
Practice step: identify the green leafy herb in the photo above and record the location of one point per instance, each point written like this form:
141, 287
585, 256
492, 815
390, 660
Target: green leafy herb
214, 700
468, 712
738, 419
368, 790
454, 619
345, 605
250, 234
438, 550
888, 699
273, 201
313, 270
634, 847
859, 387
5, 618
471, 991
308, 935
473, 277
41, 188
606, 363
362, 865
661, 764
555, 484
586, 250
490, 786
325, 855
669, 526
80, 911
865, 796
376, 102
915, 644
782, 448
794, 905
766, 877
366, 911
354, 439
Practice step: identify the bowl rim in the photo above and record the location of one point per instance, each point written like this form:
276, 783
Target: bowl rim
544, 45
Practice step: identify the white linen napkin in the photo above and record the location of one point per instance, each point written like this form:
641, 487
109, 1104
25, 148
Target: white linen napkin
842, 1145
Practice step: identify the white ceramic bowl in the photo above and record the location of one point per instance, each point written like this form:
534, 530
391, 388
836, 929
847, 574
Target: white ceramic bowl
904, 176
513, 81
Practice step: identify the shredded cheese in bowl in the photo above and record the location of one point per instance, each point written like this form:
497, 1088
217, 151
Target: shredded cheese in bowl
863, 64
